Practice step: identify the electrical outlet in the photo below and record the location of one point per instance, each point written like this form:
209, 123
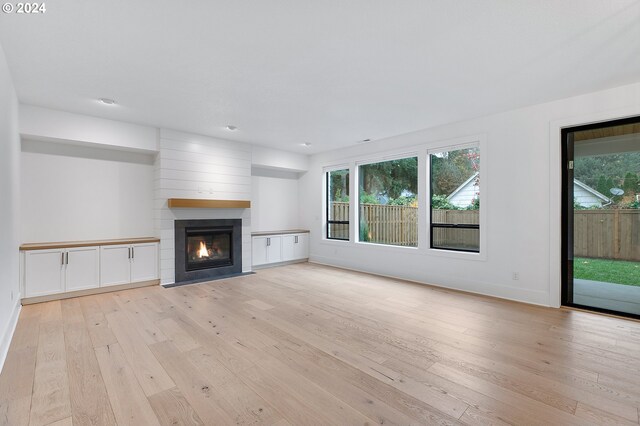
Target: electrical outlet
516, 276
11, 294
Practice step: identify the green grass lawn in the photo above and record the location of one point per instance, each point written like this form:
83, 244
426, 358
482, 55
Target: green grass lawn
609, 271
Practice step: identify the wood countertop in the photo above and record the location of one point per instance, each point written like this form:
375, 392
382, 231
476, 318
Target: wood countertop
284, 232
72, 244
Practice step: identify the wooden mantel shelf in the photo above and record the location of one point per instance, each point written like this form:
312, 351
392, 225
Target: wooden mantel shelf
193, 203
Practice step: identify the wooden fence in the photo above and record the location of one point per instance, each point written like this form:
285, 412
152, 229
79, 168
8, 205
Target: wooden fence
605, 234
398, 225
608, 234
465, 239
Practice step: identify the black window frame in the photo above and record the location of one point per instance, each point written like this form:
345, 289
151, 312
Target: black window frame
328, 204
432, 225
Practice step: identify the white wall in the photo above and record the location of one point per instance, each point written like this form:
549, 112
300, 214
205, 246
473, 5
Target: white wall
267, 158
79, 193
37, 123
522, 227
9, 208
274, 200
195, 166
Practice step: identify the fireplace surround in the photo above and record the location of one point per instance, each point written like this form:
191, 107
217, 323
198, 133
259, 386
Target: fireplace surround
207, 249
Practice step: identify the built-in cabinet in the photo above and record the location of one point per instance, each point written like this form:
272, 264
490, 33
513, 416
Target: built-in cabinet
57, 270
276, 248
266, 250
124, 264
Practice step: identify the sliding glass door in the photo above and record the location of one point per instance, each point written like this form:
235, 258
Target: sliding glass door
601, 216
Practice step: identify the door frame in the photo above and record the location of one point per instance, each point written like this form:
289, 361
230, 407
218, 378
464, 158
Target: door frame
566, 250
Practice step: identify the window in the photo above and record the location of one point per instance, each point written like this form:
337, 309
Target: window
455, 199
338, 204
388, 202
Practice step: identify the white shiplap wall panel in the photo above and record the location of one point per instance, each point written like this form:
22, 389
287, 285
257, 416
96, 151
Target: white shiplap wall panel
214, 177
199, 186
168, 135
209, 159
169, 164
194, 166
212, 149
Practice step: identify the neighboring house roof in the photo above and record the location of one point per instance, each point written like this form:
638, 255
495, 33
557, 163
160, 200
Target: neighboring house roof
470, 183
591, 191
461, 187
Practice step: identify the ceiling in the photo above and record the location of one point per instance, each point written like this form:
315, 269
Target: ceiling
329, 73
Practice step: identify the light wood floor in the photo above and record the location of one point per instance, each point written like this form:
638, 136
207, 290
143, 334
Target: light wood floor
307, 344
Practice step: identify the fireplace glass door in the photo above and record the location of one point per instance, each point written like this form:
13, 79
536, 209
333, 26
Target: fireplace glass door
208, 248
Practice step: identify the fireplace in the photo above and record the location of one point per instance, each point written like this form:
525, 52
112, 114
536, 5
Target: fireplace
207, 249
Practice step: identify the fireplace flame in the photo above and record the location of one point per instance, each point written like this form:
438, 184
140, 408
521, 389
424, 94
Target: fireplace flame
203, 252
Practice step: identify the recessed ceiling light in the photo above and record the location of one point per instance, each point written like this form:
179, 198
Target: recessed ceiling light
306, 144
231, 128
107, 101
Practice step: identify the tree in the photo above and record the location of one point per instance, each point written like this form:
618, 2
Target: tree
588, 169
390, 178
339, 185
609, 186
630, 184
602, 185
451, 169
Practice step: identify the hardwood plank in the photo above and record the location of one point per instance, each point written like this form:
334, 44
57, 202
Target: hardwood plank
64, 422
89, 400
309, 344
148, 329
172, 408
260, 304
15, 412
314, 396
130, 405
97, 325
200, 391
71, 311
50, 401
178, 336
594, 415
150, 374
289, 405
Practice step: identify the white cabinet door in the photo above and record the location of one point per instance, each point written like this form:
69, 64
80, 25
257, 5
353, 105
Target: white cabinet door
288, 247
115, 265
43, 272
274, 249
82, 268
144, 262
258, 251
301, 246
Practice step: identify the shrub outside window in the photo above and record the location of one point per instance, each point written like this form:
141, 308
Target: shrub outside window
388, 202
455, 199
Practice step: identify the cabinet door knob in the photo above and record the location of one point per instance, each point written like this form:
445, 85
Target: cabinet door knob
62, 259
67, 262
133, 252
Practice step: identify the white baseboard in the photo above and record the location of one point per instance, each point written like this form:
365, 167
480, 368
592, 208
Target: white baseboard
5, 340
531, 297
